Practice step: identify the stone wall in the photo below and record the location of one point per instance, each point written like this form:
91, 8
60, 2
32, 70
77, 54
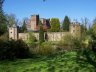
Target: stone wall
25, 36
56, 36
52, 36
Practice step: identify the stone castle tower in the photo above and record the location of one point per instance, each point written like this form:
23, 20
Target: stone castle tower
13, 32
33, 23
75, 29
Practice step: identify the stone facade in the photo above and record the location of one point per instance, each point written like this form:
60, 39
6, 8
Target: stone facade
13, 33
75, 30
33, 23
46, 24
56, 36
25, 36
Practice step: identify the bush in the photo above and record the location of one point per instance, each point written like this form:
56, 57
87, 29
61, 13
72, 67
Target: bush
93, 45
77, 44
31, 41
67, 39
44, 49
66, 42
69, 42
13, 49
4, 37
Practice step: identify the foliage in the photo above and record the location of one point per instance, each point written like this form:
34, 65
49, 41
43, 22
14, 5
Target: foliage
94, 31
67, 39
13, 49
4, 37
84, 31
89, 31
31, 40
66, 23
55, 25
61, 62
43, 49
84, 24
41, 33
24, 28
11, 19
93, 44
3, 25
66, 42
86, 55
69, 42
46, 48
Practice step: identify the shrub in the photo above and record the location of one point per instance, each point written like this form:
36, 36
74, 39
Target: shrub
93, 45
69, 42
77, 44
66, 42
31, 41
4, 37
13, 49
44, 49
67, 39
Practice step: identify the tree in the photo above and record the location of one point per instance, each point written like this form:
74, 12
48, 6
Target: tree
11, 19
3, 25
84, 25
55, 25
94, 31
41, 33
1, 5
31, 40
24, 28
66, 23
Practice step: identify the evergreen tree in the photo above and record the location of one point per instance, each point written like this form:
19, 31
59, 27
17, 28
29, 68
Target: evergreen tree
41, 33
66, 23
55, 25
24, 29
3, 26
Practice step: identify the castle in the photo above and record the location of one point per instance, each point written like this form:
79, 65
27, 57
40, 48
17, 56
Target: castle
33, 23
74, 29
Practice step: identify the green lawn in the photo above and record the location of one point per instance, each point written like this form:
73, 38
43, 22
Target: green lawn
66, 62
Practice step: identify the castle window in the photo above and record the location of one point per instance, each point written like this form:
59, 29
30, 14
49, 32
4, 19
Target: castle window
10, 32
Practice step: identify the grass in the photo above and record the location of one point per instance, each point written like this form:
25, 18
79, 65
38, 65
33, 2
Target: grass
63, 62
